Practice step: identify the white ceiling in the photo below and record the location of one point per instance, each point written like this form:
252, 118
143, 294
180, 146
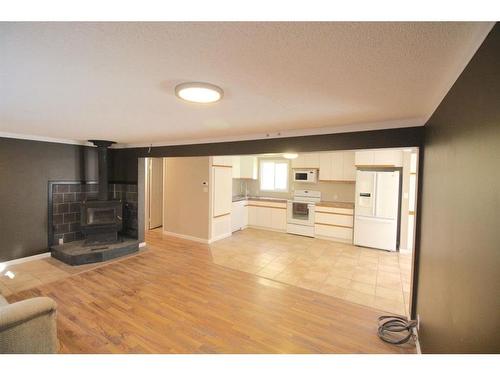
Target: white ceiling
79, 81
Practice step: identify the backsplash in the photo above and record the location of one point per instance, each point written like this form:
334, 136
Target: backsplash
66, 200
330, 191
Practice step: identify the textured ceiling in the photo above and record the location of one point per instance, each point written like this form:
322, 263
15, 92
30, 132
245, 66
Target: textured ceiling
115, 81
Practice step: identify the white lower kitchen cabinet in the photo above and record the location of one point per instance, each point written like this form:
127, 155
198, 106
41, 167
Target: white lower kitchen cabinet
278, 218
271, 216
331, 223
252, 216
264, 217
334, 223
239, 216
334, 233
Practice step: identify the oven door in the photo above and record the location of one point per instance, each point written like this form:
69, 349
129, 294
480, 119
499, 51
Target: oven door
301, 213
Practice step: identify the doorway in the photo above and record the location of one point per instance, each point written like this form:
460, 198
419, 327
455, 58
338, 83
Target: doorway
154, 193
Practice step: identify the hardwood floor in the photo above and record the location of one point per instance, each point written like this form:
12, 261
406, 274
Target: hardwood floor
174, 299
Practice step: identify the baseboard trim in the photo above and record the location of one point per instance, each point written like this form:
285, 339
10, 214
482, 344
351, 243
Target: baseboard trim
417, 341
333, 239
405, 251
221, 237
26, 259
186, 237
266, 228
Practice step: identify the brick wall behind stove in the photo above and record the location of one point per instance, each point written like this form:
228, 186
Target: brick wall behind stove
66, 200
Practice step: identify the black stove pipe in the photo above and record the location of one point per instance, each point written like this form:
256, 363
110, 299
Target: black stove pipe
102, 154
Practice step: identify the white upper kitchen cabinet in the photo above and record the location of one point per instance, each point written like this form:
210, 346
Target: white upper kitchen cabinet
337, 166
224, 161
379, 158
388, 157
364, 158
236, 167
245, 167
325, 166
309, 160
349, 166
248, 167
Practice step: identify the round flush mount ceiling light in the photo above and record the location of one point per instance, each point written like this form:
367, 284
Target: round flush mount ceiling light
198, 92
290, 155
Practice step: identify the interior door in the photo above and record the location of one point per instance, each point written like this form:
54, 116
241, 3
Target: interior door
365, 193
155, 187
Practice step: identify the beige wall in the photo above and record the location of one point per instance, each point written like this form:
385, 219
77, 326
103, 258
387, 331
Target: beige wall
186, 209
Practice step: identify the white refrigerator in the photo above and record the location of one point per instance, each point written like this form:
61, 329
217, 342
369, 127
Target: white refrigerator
376, 218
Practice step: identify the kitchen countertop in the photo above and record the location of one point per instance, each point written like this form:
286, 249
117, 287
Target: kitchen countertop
335, 204
238, 198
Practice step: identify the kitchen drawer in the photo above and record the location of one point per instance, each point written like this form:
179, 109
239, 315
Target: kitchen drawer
240, 204
267, 204
329, 231
334, 210
334, 219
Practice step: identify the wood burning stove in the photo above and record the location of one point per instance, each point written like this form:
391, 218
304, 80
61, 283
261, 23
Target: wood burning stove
101, 220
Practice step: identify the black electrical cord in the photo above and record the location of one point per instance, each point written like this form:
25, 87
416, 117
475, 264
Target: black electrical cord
395, 329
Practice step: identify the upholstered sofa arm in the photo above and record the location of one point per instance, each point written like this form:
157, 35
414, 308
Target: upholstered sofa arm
29, 326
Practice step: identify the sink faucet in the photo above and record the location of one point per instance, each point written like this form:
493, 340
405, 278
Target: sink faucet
246, 189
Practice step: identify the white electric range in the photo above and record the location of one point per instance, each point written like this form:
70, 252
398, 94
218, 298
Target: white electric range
300, 212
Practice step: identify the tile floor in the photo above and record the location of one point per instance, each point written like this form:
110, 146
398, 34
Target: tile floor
365, 276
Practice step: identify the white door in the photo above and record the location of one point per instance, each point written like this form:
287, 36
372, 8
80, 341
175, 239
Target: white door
387, 197
365, 193
155, 192
222, 190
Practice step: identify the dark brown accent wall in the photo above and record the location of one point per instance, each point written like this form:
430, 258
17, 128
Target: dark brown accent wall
458, 299
124, 161
25, 169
